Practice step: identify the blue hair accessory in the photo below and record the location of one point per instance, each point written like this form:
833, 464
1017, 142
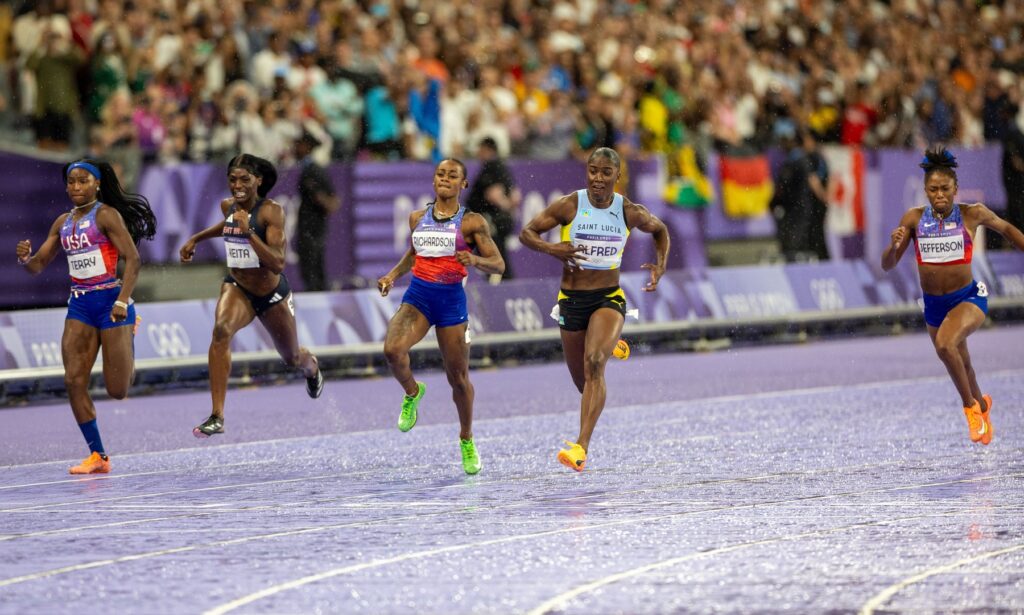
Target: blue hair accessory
91, 168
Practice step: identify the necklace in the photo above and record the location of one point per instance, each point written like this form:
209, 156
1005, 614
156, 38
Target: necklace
83, 205
439, 217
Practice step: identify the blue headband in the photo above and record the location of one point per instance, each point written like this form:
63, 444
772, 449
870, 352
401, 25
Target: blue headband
91, 168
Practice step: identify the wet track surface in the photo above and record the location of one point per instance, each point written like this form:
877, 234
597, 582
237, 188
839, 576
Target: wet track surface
828, 476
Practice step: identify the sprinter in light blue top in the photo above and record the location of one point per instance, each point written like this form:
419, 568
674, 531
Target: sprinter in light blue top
600, 232
595, 224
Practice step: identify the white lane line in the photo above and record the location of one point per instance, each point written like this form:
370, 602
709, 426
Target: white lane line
275, 589
91, 479
40, 507
885, 595
219, 543
687, 401
561, 600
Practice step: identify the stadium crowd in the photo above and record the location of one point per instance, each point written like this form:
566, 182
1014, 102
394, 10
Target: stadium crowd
172, 80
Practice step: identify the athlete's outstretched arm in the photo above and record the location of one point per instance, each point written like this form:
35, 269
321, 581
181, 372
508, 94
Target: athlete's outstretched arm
559, 213
987, 217
479, 234
404, 266
189, 249
641, 218
34, 263
899, 240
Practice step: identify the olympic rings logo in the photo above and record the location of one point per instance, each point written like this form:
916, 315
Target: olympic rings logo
169, 339
524, 314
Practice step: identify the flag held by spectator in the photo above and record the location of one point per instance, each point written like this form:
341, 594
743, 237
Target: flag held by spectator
746, 185
845, 190
690, 188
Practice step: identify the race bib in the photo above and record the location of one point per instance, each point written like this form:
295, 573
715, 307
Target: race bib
240, 253
941, 249
87, 264
601, 251
431, 243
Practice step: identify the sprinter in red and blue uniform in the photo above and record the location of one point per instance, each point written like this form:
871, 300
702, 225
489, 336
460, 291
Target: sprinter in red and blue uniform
104, 225
955, 304
442, 237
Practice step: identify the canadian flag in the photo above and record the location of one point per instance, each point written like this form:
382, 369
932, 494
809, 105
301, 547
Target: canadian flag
845, 190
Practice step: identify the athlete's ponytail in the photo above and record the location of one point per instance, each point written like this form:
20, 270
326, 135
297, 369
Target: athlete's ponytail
259, 167
939, 159
134, 208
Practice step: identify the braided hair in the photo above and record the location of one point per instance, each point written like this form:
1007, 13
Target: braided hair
134, 208
939, 160
264, 169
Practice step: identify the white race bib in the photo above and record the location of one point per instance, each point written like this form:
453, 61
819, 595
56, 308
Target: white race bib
87, 264
941, 249
431, 243
240, 253
602, 251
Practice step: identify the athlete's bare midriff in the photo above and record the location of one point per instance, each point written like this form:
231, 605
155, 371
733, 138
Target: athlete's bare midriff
944, 279
589, 279
260, 281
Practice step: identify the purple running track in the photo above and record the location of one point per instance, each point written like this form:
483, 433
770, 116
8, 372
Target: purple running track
827, 476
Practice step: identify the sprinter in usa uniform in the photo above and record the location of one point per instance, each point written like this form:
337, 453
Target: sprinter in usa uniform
444, 236
955, 304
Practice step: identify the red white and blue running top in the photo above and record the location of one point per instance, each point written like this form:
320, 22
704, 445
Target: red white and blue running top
435, 243
943, 241
92, 258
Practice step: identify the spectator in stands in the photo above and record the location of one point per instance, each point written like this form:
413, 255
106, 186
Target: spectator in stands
317, 201
494, 196
342, 107
57, 98
1013, 166
793, 201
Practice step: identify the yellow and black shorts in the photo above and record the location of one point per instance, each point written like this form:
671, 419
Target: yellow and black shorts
576, 306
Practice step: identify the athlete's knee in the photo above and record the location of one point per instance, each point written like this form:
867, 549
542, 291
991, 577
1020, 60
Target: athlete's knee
947, 349
76, 382
222, 333
394, 352
117, 390
594, 362
459, 379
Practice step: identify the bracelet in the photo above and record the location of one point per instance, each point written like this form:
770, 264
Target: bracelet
24, 261
121, 304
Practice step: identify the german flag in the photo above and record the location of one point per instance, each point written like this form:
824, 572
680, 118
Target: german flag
746, 185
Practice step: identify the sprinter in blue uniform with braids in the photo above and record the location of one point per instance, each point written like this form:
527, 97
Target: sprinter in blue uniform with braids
104, 225
595, 224
955, 304
443, 236
253, 230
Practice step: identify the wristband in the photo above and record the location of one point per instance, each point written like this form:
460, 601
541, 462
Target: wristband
24, 261
121, 304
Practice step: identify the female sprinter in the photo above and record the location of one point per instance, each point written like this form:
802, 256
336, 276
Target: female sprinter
954, 303
595, 224
442, 236
253, 229
104, 224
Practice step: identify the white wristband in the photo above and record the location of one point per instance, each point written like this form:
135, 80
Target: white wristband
24, 261
121, 304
